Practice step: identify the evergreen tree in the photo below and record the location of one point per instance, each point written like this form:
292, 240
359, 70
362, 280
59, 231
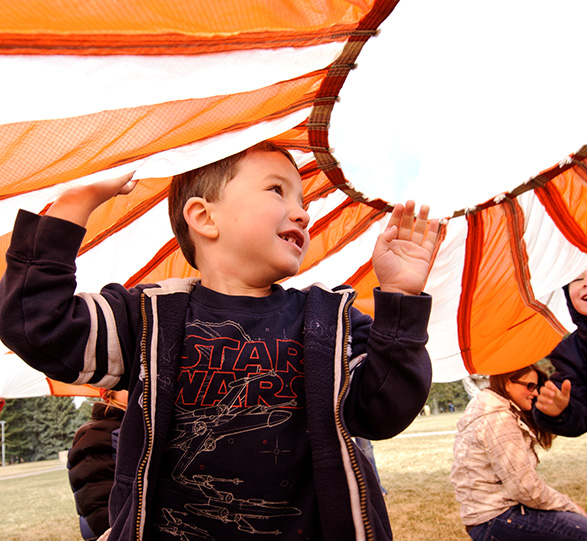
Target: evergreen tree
38, 428
442, 394
17, 441
84, 412
56, 426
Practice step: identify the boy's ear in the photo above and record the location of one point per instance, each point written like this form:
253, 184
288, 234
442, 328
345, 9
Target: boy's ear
197, 215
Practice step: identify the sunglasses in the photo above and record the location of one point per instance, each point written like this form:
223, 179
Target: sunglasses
530, 385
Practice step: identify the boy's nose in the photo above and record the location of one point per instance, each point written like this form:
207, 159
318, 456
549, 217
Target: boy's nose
301, 215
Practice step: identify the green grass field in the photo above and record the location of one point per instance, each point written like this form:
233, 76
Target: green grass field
414, 469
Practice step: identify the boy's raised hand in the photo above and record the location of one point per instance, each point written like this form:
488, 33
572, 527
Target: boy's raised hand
76, 205
402, 254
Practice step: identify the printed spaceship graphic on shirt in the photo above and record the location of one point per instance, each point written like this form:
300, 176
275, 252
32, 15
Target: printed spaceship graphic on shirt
198, 430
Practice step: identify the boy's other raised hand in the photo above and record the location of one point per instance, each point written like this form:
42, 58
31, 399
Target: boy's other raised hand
402, 254
76, 205
551, 401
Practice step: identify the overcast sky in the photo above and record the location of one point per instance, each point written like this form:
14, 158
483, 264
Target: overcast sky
457, 101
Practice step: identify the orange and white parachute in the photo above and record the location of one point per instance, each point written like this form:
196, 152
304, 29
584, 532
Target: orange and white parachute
96, 89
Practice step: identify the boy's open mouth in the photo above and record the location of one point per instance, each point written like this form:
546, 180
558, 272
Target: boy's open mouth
294, 237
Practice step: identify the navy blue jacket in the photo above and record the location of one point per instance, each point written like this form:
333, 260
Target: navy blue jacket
363, 378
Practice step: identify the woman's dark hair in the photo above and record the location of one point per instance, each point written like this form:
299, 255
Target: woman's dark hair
497, 384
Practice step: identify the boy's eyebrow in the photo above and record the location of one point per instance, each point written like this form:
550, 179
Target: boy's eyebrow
277, 176
287, 180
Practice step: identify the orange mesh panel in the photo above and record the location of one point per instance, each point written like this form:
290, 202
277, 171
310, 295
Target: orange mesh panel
155, 17
176, 27
91, 143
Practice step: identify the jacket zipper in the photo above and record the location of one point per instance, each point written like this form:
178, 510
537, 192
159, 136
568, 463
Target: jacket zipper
146, 393
346, 436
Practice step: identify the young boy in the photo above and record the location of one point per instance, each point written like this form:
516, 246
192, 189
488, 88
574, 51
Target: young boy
559, 410
244, 396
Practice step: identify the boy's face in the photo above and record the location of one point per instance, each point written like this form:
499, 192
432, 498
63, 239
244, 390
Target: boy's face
578, 293
262, 224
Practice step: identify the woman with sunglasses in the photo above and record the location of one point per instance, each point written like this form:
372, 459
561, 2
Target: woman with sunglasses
494, 468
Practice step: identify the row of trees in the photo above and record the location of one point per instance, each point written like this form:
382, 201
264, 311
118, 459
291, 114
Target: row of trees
38, 428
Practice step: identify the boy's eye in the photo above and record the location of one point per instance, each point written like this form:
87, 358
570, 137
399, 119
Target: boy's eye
277, 189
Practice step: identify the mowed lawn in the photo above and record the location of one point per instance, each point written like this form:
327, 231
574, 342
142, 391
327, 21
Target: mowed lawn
413, 467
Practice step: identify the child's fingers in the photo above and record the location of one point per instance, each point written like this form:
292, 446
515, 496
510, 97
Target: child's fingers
396, 216
421, 225
128, 187
126, 183
417, 229
407, 221
390, 234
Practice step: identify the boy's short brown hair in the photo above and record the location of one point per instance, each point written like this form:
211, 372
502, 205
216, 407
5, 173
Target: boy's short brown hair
207, 182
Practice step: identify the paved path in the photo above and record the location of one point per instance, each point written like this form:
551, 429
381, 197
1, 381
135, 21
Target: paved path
32, 472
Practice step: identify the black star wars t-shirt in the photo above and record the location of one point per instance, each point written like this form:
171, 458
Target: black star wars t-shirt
237, 463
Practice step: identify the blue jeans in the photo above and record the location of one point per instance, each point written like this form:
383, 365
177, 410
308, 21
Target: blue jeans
524, 524
367, 447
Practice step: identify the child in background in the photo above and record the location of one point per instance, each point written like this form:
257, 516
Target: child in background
91, 461
561, 409
243, 396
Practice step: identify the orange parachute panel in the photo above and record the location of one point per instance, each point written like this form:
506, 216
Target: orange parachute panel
496, 300
167, 262
338, 228
65, 389
560, 197
499, 324
95, 142
153, 17
363, 281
